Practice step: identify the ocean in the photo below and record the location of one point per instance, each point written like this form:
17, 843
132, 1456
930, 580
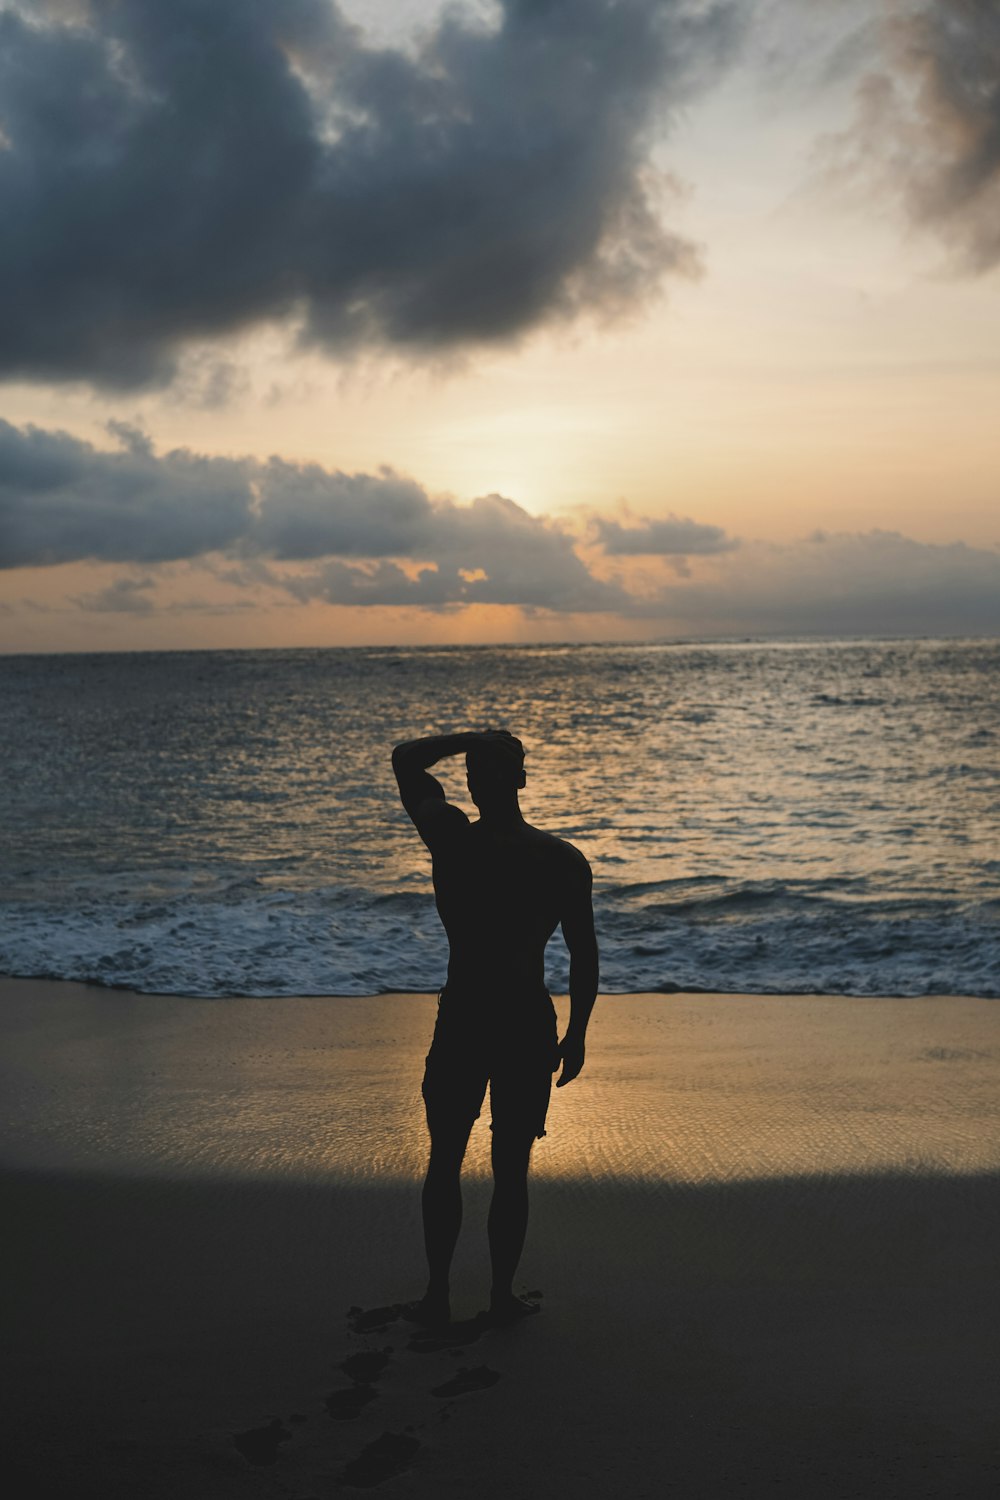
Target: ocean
794, 817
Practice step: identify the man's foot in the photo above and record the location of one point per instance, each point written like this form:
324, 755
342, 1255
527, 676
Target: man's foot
429, 1312
508, 1309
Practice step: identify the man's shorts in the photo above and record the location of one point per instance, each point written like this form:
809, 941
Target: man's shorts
512, 1046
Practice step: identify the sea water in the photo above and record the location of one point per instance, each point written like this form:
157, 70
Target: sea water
766, 817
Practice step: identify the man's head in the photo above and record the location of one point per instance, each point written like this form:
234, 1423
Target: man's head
495, 771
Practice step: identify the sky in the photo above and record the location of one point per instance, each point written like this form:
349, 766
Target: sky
514, 320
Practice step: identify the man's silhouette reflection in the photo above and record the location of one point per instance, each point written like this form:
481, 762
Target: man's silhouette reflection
502, 887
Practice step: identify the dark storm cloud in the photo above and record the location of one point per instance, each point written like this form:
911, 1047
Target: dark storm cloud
62, 500
674, 536
174, 170
928, 129
954, 49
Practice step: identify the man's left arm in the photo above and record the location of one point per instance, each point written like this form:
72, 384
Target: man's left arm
581, 940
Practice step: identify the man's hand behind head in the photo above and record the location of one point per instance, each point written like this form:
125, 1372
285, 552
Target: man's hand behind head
502, 739
496, 750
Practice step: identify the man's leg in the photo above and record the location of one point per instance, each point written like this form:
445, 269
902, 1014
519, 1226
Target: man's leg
508, 1220
441, 1202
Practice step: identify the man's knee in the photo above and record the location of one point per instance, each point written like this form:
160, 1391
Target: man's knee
448, 1143
511, 1153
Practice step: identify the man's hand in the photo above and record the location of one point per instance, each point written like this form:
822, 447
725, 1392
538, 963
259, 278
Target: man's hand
500, 739
571, 1055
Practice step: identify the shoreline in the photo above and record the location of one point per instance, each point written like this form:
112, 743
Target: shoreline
665, 993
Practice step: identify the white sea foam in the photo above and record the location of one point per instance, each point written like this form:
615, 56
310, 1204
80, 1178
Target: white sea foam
348, 943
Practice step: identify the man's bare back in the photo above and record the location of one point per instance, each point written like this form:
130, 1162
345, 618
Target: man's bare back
501, 893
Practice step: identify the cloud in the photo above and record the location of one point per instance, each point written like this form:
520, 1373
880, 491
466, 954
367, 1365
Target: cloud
63, 500
124, 596
174, 171
297, 532
671, 536
927, 128
489, 552
853, 583
798, 51
305, 511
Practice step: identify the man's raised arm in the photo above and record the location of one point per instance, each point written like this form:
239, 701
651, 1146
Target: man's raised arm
581, 940
422, 794
411, 760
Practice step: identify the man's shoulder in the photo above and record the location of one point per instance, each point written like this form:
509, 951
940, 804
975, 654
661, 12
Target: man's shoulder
439, 823
564, 854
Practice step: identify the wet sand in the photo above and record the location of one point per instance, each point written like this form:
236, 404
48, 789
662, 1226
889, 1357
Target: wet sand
766, 1232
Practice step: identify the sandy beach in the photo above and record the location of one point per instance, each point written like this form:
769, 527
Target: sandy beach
765, 1231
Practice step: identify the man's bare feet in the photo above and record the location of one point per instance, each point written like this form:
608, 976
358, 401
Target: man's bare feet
429, 1312
508, 1309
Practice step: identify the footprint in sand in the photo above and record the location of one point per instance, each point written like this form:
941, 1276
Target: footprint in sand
363, 1368
478, 1379
363, 1321
344, 1405
387, 1456
367, 1365
259, 1445
392, 1452
374, 1319
453, 1336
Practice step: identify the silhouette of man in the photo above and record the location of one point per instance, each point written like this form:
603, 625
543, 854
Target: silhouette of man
502, 887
